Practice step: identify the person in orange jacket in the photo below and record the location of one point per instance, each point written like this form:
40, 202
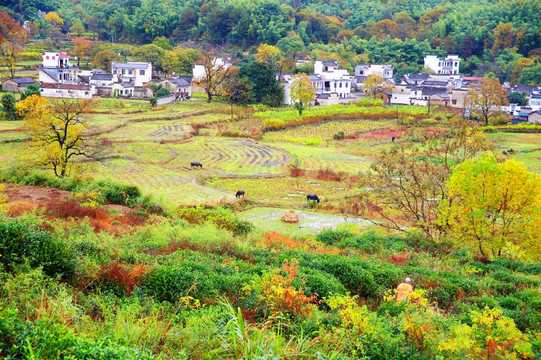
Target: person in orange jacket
403, 290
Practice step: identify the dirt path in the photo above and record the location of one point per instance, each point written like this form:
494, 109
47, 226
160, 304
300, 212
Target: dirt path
35, 195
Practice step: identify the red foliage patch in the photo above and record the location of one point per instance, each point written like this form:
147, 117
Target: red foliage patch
399, 259
118, 274
100, 219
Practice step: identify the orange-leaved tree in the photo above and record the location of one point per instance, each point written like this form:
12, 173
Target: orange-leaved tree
56, 132
487, 97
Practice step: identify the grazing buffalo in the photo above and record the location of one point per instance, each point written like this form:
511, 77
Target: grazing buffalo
312, 197
196, 164
239, 194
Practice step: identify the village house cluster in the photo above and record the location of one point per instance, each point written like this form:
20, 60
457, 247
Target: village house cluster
442, 86
59, 77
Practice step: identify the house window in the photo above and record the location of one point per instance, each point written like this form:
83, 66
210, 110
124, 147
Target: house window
47, 57
340, 85
141, 72
453, 101
346, 85
130, 72
123, 71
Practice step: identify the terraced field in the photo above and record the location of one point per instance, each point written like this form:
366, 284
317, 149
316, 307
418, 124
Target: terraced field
315, 158
231, 157
153, 131
326, 131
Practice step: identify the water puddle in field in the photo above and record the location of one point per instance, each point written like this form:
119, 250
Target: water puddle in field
310, 222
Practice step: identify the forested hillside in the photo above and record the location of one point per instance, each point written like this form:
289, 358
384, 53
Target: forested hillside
491, 34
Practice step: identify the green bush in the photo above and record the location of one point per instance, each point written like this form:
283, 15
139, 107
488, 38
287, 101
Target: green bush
369, 242
45, 339
117, 193
320, 283
21, 242
332, 236
395, 244
221, 217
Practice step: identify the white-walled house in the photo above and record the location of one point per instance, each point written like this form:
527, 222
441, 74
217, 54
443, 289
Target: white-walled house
56, 68
333, 86
321, 66
180, 86
447, 66
58, 77
138, 73
383, 70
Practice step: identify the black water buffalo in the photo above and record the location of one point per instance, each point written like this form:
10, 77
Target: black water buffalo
392, 139
196, 164
239, 194
312, 197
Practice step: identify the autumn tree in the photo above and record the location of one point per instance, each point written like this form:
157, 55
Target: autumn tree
56, 132
409, 180
217, 72
78, 28
487, 98
82, 47
375, 84
269, 54
55, 23
503, 38
384, 28
302, 91
12, 40
494, 207
104, 59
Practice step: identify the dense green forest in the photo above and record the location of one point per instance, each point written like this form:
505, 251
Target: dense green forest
491, 35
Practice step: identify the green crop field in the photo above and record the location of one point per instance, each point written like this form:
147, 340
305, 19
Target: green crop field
526, 148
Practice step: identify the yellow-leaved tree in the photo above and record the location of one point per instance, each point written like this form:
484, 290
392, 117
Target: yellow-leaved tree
494, 208
302, 91
56, 132
375, 84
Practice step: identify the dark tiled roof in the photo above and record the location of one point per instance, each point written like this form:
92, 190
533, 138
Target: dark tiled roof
323, 96
418, 77
526, 88
181, 81
429, 91
23, 81
106, 76
330, 63
84, 78
435, 83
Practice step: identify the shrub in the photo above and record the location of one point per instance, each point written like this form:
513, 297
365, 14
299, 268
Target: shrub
116, 193
223, 219
21, 241
320, 283
45, 339
369, 242
332, 237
